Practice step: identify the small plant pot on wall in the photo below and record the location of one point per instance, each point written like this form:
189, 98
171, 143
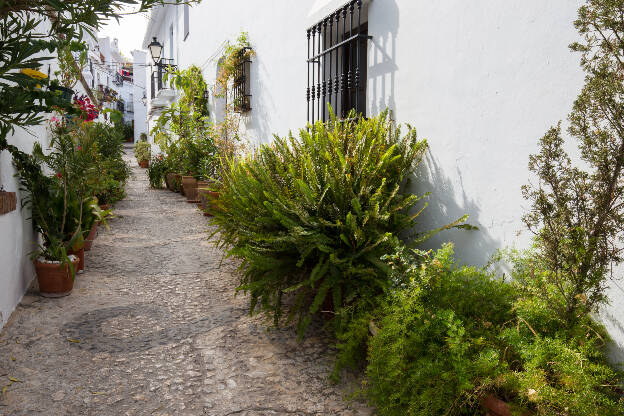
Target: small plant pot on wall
65, 93
55, 280
8, 202
189, 184
144, 164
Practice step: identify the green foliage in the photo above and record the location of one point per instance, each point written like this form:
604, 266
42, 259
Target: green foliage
31, 30
437, 348
72, 58
229, 64
142, 151
577, 212
157, 170
184, 131
447, 336
310, 216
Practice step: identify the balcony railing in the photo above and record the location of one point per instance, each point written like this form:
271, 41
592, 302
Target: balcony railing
158, 76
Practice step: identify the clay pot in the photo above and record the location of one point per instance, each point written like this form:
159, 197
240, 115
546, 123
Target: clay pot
104, 207
81, 258
144, 164
55, 280
170, 181
189, 183
496, 407
91, 236
209, 205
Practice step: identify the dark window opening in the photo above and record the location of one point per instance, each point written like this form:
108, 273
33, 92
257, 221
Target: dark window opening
337, 61
242, 83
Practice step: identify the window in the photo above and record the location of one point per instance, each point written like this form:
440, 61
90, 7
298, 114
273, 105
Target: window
242, 83
186, 20
337, 57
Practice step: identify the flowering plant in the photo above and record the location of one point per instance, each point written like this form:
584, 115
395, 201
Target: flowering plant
88, 111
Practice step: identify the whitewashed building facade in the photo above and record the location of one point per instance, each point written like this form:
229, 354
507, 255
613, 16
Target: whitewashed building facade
482, 81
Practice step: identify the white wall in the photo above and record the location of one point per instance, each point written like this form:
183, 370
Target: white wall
17, 238
140, 110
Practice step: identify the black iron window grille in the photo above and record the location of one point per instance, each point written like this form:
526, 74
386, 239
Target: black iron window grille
337, 60
158, 81
242, 84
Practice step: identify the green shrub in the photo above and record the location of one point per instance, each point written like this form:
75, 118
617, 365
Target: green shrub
449, 336
310, 216
157, 170
108, 138
142, 151
436, 348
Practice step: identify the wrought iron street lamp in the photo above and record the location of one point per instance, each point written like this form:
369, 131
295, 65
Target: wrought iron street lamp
144, 99
155, 49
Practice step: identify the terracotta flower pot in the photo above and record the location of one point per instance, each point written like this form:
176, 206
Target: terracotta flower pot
496, 407
144, 164
170, 179
104, 207
81, 258
55, 280
189, 183
91, 236
209, 203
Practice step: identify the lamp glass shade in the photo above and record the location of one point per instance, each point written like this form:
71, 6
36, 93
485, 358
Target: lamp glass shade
155, 49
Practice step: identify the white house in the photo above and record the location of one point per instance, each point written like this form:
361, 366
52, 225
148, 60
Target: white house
482, 81
139, 94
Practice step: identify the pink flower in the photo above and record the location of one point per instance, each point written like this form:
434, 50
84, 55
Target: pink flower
79, 148
59, 175
54, 120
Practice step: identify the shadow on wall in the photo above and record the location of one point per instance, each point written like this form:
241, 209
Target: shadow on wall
258, 120
382, 56
444, 206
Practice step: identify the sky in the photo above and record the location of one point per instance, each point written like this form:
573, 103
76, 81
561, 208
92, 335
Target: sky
129, 31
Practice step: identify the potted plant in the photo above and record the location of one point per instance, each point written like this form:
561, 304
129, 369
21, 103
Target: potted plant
96, 216
142, 152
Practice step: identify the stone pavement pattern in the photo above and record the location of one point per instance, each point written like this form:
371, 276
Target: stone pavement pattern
153, 328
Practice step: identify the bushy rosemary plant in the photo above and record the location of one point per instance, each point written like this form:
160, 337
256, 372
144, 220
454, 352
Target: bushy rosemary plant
310, 216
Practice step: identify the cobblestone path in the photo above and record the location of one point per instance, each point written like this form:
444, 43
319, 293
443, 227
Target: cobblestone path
153, 328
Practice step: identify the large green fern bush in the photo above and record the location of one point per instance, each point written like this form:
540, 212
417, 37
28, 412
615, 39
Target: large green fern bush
310, 216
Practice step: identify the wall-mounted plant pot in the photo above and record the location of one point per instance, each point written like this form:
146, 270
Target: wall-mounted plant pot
144, 164
189, 184
8, 202
55, 280
91, 237
66, 93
